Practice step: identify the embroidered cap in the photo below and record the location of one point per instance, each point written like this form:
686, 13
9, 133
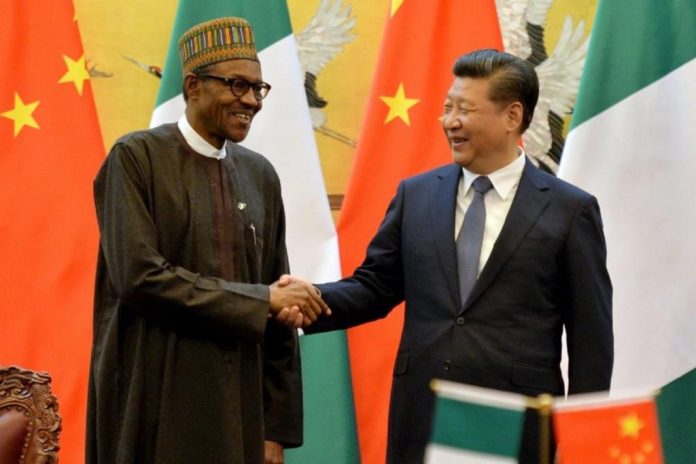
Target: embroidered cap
216, 40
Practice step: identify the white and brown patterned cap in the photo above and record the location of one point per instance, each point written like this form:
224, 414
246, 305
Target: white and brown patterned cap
216, 40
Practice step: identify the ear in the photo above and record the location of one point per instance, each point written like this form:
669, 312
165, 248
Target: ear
513, 117
192, 86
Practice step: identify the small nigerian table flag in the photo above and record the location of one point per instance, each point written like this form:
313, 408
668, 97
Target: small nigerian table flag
475, 425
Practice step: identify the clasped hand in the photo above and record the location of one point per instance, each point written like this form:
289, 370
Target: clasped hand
296, 302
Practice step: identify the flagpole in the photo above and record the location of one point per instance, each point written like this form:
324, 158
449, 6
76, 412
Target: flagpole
545, 403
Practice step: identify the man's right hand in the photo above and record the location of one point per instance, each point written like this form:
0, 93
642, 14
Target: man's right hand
296, 302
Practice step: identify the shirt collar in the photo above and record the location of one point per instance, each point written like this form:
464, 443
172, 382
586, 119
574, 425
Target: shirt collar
504, 179
198, 143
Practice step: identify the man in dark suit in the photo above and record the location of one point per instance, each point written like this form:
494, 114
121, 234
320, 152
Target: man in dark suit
493, 318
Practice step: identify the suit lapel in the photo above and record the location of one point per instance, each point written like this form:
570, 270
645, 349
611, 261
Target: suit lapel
530, 200
442, 207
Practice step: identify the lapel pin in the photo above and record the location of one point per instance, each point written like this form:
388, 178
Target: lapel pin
241, 206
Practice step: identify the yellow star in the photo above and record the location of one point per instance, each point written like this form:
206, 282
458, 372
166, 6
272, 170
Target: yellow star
395, 5
77, 72
399, 106
631, 425
22, 114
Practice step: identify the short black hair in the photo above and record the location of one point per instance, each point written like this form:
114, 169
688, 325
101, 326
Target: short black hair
512, 78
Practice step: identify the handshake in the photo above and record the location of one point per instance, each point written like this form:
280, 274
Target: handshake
296, 302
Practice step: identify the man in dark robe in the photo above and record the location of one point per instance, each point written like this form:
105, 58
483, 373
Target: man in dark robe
194, 359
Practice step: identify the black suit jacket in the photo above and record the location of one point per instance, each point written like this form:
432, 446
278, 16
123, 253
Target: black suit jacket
547, 270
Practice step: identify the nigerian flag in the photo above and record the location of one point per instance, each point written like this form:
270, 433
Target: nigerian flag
282, 132
676, 407
632, 143
475, 425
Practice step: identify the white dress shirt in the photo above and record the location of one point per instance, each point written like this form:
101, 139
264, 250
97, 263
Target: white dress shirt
198, 143
498, 201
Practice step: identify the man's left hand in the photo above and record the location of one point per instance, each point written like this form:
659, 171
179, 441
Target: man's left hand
273, 452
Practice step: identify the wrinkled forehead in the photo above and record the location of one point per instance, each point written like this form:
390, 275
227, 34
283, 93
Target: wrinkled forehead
248, 69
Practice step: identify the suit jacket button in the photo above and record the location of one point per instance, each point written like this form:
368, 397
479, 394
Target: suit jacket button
446, 366
460, 320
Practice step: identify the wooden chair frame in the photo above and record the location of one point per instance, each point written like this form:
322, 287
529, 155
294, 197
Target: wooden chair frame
30, 393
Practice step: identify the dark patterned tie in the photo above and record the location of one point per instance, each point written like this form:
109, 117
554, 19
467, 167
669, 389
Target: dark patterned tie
471, 237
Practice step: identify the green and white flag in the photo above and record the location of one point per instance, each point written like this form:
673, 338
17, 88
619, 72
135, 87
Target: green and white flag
676, 409
475, 425
632, 143
282, 132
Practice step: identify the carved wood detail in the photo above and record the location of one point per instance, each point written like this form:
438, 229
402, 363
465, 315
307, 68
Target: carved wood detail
30, 393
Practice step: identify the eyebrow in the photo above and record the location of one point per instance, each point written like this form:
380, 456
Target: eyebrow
459, 101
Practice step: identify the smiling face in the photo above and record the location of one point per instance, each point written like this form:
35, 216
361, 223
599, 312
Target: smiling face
214, 111
482, 134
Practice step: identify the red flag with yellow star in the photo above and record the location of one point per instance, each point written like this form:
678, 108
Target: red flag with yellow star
619, 431
401, 136
50, 150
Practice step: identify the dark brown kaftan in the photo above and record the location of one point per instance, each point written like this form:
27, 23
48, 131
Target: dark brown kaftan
186, 366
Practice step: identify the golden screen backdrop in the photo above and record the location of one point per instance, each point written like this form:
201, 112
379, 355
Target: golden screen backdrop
114, 33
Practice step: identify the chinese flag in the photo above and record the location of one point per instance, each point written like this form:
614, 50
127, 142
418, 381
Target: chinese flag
615, 432
401, 136
50, 149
